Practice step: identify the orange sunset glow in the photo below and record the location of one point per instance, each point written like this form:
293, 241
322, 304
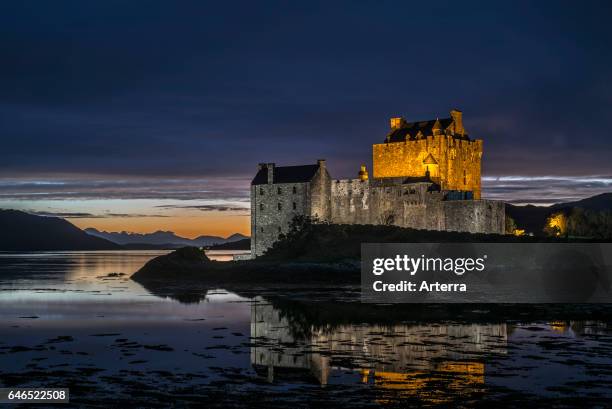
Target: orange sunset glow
184, 226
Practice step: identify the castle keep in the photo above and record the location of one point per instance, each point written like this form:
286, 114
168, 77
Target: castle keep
426, 175
440, 146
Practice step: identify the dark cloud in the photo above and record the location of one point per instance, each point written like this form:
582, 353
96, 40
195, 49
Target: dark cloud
125, 188
98, 93
83, 215
544, 189
207, 208
71, 215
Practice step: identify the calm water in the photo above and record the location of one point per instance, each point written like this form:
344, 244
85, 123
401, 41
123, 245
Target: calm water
75, 319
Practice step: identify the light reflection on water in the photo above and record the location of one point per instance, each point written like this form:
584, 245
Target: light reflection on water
63, 316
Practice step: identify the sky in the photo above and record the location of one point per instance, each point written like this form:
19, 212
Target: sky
144, 116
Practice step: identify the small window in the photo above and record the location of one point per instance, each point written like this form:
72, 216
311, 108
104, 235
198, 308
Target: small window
294, 190
261, 206
294, 206
278, 190
261, 191
279, 229
280, 206
262, 229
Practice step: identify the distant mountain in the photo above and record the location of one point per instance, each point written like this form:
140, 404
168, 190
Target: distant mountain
599, 202
160, 239
20, 231
533, 218
235, 237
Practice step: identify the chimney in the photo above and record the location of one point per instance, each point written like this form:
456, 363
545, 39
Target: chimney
321, 163
270, 167
458, 120
397, 123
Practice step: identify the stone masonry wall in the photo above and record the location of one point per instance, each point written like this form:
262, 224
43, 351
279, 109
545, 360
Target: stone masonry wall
275, 205
320, 192
267, 220
458, 161
374, 201
411, 205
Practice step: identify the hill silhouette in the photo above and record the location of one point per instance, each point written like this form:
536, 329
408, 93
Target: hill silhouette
533, 218
20, 231
161, 239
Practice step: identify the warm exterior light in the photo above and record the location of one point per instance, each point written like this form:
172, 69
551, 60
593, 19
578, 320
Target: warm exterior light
556, 225
440, 148
363, 173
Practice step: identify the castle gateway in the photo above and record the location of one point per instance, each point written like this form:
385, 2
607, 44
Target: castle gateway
426, 175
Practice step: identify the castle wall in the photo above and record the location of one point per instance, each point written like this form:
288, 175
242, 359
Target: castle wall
475, 216
267, 220
411, 205
458, 161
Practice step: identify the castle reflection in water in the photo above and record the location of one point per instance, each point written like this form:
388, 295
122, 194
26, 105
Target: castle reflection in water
403, 358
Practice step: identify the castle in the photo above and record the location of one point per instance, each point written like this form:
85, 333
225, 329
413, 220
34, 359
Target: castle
426, 175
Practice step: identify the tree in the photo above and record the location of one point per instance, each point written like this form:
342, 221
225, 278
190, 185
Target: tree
510, 225
556, 225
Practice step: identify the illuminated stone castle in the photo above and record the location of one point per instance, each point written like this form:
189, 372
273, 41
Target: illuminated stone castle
426, 175
441, 147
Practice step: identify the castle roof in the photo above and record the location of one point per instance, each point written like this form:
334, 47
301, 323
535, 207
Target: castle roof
409, 130
286, 174
430, 160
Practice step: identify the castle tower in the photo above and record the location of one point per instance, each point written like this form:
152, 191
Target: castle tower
441, 147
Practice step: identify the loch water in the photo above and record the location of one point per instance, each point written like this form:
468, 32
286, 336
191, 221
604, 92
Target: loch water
76, 320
